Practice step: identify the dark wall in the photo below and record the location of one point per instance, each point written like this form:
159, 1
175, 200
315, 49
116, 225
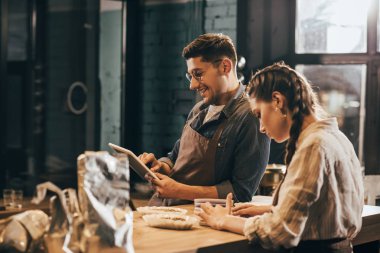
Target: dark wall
263, 32
166, 98
3, 70
167, 29
65, 65
71, 57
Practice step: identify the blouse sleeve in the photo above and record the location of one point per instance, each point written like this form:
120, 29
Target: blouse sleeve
283, 227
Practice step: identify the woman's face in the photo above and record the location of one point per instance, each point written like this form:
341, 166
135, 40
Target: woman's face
272, 120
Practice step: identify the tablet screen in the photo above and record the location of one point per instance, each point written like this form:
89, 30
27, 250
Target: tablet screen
134, 162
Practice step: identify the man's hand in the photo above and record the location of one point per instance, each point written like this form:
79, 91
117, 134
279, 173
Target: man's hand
215, 216
156, 165
248, 210
165, 187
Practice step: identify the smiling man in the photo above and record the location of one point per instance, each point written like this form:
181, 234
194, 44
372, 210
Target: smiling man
221, 149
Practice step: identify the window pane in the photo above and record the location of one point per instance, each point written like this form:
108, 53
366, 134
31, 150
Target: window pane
378, 29
110, 70
331, 26
340, 89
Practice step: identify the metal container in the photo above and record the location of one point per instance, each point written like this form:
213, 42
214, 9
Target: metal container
273, 175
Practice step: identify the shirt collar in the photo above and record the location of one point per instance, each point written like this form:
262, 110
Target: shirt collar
229, 108
329, 123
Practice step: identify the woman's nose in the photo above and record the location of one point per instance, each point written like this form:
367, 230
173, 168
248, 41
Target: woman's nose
262, 129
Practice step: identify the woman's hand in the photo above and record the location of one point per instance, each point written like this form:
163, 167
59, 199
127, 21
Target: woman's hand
248, 210
215, 216
156, 165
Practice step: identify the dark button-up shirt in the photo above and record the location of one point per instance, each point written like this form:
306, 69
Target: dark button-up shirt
242, 151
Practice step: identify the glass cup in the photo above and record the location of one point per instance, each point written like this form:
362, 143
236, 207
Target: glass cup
8, 198
18, 198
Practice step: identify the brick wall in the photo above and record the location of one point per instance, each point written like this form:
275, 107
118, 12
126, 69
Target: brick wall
220, 17
164, 35
167, 29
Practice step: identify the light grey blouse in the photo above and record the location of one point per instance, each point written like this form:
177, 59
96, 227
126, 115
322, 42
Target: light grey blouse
321, 196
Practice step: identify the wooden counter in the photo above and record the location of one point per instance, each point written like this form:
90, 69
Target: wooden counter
203, 239
147, 239
26, 205
369, 236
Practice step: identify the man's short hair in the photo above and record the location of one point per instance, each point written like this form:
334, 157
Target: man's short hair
211, 47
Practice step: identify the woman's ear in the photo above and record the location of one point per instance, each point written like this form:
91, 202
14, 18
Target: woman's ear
279, 100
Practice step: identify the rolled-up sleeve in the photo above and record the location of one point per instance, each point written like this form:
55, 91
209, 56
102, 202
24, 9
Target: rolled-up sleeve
251, 156
172, 155
224, 188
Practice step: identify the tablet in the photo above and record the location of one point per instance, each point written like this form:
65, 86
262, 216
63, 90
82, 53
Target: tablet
134, 162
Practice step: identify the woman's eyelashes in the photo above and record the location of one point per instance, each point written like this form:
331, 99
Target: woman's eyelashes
257, 114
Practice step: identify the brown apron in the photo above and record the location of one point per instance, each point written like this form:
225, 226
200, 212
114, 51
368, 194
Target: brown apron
195, 164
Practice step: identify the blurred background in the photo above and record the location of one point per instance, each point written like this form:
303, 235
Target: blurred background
77, 74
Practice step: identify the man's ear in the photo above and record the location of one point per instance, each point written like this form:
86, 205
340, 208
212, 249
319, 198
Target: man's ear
226, 65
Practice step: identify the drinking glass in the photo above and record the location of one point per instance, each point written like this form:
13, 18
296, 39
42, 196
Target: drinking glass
8, 198
18, 198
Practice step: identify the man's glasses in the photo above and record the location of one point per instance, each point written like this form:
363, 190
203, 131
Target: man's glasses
198, 74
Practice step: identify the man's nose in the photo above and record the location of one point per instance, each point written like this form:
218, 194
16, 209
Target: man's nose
194, 84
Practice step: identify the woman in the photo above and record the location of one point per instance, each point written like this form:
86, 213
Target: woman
318, 205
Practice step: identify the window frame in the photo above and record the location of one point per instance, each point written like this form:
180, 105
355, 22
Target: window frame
371, 59
266, 34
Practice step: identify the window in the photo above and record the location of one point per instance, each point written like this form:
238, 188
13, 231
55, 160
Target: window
378, 29
340, 92
331, 26
336, 47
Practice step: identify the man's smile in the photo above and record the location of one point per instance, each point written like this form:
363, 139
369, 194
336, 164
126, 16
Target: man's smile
202, 91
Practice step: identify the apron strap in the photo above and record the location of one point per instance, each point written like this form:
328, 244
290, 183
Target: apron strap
277, 191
